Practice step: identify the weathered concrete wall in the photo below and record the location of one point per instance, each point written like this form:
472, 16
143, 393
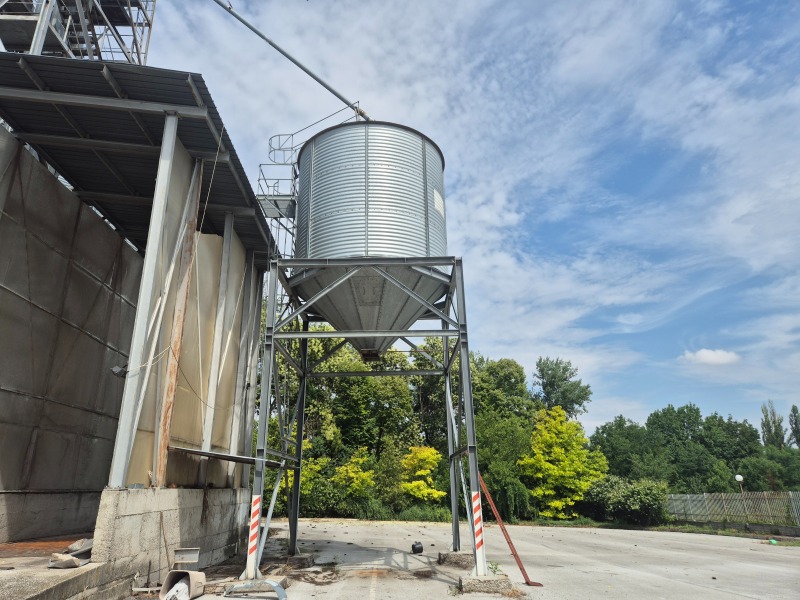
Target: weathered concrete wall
26, 515
138, 530
68, 288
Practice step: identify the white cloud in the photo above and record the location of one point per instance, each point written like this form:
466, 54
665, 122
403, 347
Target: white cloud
704, 356
536, 106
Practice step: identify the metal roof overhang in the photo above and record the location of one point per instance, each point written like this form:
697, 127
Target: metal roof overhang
99, 125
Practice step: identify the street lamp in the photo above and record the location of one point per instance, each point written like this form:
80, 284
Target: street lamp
740, 479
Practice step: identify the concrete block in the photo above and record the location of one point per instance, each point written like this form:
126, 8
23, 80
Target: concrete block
461, 560
300, 561
486, 584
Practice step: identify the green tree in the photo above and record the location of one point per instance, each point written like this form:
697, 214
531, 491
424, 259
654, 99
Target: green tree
499, 386
560, 467
761, 474
729, 440
556, 384
429, 395
502, 442
622, 442
794, 426
677, 435
418, 466
773, 433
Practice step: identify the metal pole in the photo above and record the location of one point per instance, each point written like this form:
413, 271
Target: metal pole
252, 377
42, 26
251, 572
299, 418
296, 62
469, 417
506, 535
451, 446
131, 406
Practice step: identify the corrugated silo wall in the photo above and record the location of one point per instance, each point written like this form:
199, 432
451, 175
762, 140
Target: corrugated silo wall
68, 292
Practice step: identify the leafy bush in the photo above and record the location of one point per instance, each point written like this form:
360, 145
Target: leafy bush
560, 468
418, 465
425, 512
642, 502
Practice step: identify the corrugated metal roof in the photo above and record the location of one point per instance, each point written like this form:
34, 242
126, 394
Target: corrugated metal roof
71, 112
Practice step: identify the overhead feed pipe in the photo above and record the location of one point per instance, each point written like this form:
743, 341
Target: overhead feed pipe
359, 111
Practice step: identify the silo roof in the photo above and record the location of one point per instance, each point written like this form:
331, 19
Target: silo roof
100, 126
368, 123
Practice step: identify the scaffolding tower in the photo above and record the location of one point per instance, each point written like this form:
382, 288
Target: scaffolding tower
103, 30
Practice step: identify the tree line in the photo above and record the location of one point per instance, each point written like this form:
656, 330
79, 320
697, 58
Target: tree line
376, 447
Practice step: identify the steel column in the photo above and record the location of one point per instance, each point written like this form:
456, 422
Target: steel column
252, 375
452, 443
42, 26
469, 417
299, 419
252, 572
131, 404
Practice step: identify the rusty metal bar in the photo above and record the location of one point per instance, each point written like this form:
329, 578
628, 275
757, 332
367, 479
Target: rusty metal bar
505, 534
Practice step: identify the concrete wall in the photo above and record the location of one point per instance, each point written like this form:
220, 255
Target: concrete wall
26, 515
138, 530
68, 288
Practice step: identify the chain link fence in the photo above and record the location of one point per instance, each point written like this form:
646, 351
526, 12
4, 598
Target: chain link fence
772, 508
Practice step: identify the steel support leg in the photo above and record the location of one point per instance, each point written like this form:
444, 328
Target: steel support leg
299, 419
452, 444
42, 26
469, 417
251, 572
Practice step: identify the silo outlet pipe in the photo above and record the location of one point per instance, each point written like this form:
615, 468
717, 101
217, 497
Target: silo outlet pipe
227, 6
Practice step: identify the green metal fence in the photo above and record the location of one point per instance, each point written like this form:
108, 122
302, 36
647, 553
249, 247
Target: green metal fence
772, 508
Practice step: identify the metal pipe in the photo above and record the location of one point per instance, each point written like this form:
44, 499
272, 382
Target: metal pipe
506, 535
360, 112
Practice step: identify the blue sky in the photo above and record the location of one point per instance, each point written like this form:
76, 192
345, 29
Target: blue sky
622, 177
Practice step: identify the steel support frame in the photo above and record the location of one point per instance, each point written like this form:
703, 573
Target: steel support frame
147, 310
281, 330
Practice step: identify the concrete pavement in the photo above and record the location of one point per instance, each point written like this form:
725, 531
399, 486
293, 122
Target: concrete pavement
373, 560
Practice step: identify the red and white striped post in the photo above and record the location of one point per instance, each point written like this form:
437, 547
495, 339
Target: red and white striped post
477, 529
252, 540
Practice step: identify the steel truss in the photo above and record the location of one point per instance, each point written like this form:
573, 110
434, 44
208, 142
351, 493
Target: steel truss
286, 310
104, 30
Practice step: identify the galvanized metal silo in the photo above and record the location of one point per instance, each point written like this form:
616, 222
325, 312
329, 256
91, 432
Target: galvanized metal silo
370, 189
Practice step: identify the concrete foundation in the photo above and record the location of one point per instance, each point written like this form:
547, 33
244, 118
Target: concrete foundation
461, 560
486, 584
28, 515
138, 530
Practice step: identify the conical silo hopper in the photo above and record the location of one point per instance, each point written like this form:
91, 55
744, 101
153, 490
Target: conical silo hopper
370, 189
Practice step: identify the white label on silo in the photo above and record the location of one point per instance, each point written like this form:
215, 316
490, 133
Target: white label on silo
438, 202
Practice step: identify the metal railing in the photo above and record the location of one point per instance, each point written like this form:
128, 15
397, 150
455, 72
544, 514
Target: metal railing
772, 508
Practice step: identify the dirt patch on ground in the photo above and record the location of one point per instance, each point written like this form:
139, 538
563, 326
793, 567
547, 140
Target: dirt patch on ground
324, 576
38, 547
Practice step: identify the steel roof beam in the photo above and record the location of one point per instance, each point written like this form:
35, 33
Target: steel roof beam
88, 143
85, 143
285, 335
121, 93
102, 102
